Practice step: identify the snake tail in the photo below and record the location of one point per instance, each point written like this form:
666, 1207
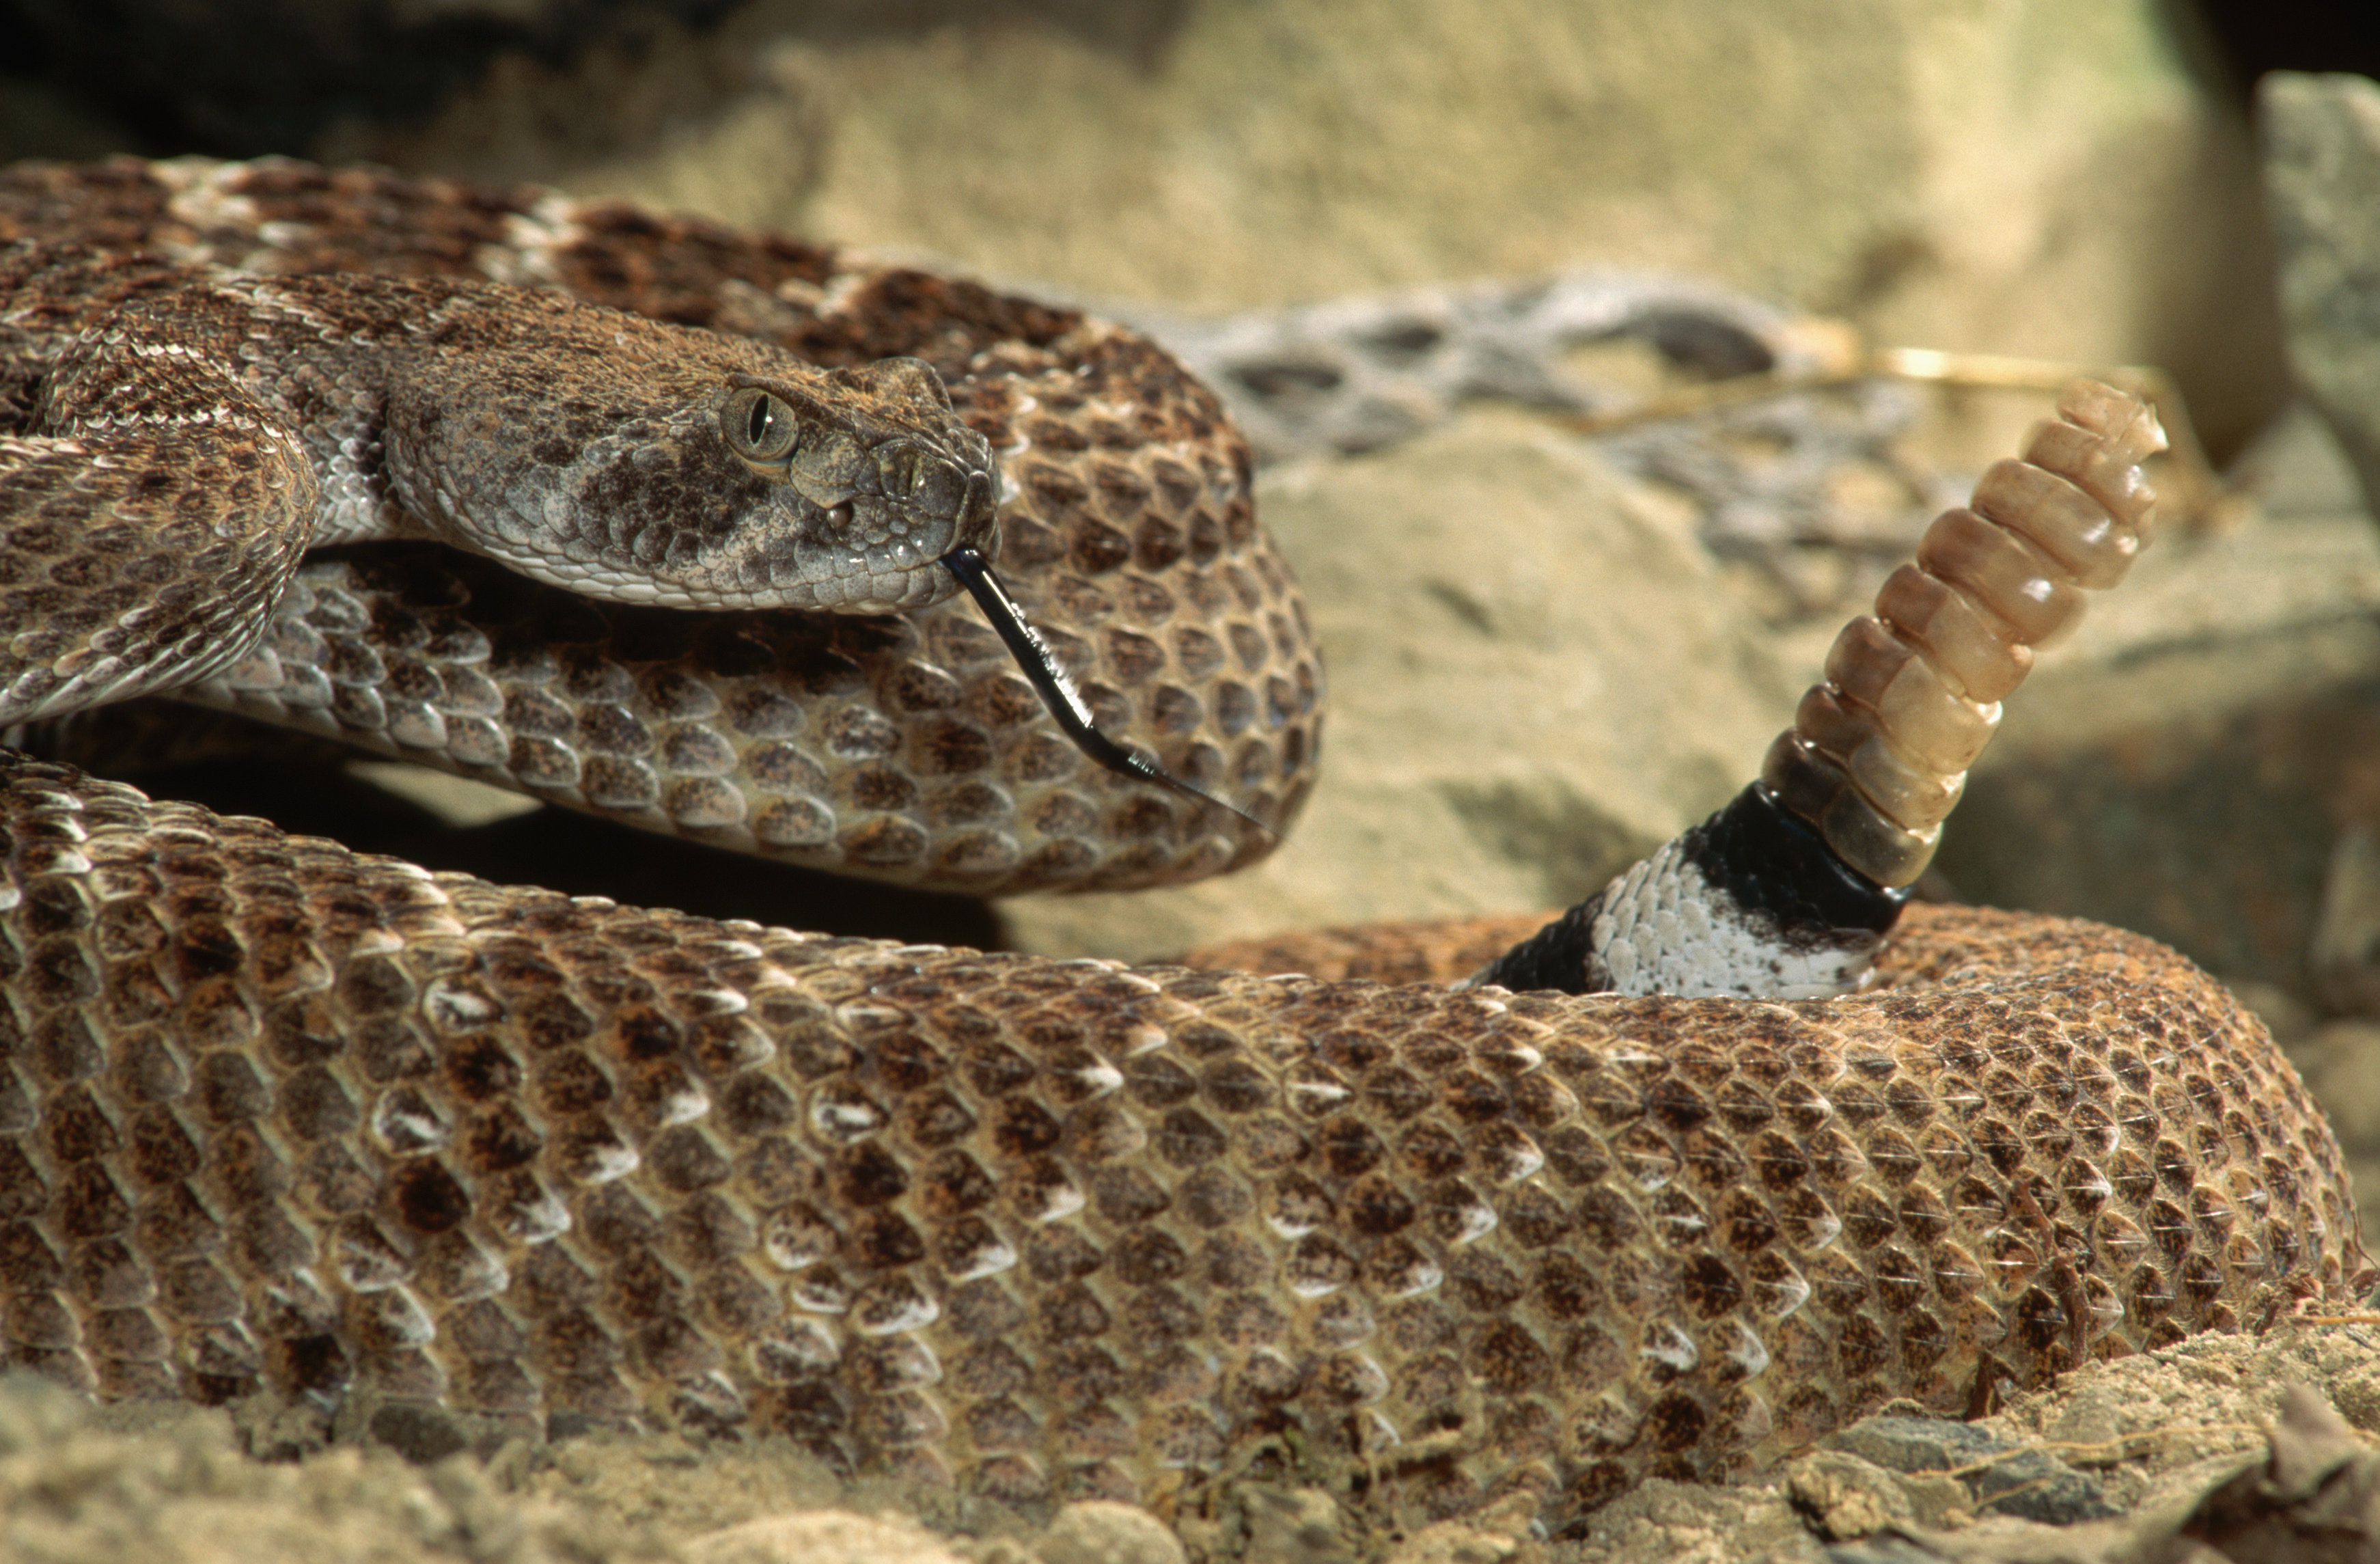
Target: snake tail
1787, 891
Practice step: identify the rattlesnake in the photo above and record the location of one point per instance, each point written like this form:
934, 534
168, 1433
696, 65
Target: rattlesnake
274, 1116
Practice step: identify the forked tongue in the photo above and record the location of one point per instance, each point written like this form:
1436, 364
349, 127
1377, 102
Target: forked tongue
1057, 693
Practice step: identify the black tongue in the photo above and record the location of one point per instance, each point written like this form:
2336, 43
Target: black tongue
1058, 692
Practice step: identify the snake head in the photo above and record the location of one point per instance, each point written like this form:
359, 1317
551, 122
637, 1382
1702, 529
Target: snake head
875, 474
700, 471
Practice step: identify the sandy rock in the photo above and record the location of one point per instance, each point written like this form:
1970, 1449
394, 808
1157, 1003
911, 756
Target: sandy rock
1479, 1540
1266, 1525
2165, 1434
2341, 1063
1680, 1524
827, 1536
2337, 1062
2019, 179
1845, 1497
1102, 1532
1971, 1472
2322, 176
2028, 178
2346, 952
170, 1484
2318, 1496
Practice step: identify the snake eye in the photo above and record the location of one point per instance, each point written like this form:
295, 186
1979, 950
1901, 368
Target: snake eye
759, 427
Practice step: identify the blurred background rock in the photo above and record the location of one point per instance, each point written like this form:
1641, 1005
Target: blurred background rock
2066, 182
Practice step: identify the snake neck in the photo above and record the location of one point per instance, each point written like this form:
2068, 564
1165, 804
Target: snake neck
1751, 903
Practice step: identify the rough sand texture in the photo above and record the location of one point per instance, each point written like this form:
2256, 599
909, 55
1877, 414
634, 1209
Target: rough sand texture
2146, 1437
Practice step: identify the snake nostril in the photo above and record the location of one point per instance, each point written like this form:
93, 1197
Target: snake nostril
941, 489
902, 473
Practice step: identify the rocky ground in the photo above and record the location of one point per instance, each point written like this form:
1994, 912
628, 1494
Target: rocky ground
1548, 651
2215, 1449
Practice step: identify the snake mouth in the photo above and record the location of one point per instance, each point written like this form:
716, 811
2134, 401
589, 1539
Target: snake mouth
875, 549
1057, 690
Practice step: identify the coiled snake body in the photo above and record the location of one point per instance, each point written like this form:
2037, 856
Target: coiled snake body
274, 1115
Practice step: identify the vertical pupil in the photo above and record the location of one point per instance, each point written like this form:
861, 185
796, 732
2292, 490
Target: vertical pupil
762, 419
